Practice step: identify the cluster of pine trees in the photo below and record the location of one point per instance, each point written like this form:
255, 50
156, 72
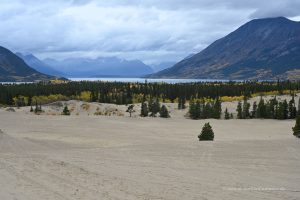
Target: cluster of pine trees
205, 110
271, 109
153, 108
128, 93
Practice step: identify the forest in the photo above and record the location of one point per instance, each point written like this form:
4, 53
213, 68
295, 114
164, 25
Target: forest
128, 93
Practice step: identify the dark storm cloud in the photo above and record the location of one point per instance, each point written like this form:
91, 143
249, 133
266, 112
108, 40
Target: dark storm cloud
150, 30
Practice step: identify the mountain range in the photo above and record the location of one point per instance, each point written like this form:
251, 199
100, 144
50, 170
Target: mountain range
39, 65
260, 49
100, 67
13, 68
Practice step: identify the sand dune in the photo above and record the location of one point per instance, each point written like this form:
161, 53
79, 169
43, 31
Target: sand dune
115, 157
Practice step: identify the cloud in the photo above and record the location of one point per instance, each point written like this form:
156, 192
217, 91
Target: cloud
150, 30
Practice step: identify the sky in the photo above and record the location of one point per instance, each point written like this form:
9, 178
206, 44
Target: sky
153, 31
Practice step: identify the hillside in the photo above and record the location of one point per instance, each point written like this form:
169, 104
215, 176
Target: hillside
261, 49
13, 68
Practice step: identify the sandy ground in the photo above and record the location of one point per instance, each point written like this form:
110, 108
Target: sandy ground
86, 156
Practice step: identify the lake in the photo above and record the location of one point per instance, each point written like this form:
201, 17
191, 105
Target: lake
142, 80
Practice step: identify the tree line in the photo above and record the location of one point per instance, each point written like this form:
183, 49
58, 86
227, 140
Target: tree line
271, 109
128, 93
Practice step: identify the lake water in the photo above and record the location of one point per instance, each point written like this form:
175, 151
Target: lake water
142, 80
135, 80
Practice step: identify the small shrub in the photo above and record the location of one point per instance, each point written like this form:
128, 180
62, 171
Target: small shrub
66, 111
164, 113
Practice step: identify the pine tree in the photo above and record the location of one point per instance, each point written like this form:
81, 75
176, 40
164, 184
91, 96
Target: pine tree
285, 109
272, 108
227, 115
144, 110
164, 113
261, 109
280, 111
36, 109
239, 110
207, 111
246, 107
292, 108
298, 111
206, 133
254, 108
217, 109
181, 103
155, 108
192, 109
66, 111
296, 128
130, 110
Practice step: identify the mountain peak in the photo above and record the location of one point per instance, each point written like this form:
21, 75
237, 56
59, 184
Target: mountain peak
260, 49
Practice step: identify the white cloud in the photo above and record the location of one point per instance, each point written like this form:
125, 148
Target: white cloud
150, 30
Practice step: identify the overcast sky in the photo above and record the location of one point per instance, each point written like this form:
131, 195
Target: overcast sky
150, 30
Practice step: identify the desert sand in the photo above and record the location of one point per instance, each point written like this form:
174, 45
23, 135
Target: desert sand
87, 156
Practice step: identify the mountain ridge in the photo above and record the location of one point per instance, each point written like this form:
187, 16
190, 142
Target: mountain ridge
259, 49
13, 68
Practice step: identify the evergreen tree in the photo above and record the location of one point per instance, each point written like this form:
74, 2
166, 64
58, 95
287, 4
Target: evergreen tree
37, 108
239, 110
192, 110
272, 108
155, 108
296, 128
298, 111
130, 110
280, 111
261, 109
227, 115
217, 109
206, 133
292, 108
164, 113
207, 111
285, 109
254, 108
181, 103
66, 111
144, 110
246, 111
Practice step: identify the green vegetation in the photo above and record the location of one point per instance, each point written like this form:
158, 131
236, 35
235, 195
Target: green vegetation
129, 93
164, 113
272, 109
181, 103
226, 114
296, 128
154, 107
130, 110
206, 133
66, 111
205, 110
144, 110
